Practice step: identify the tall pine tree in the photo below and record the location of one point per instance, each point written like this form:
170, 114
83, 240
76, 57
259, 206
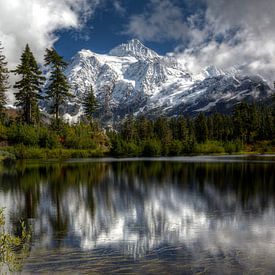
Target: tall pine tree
29, 86
58, 89
89, 103
3, 80
201, 129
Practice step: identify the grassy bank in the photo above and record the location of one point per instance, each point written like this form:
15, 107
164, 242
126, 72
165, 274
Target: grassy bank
23, 152
18, 152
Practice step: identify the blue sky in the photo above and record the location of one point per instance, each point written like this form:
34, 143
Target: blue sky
201, 33
107, 28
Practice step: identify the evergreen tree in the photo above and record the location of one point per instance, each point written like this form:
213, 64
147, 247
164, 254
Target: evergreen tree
58, 89
3, 80
163, 132
29, 86
129, 131
145, 129
201, 128
89, 103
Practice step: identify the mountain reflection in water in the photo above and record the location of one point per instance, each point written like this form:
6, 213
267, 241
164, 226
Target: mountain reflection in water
203, 212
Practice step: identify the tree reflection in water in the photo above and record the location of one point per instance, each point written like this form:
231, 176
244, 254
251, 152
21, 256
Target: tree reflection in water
140, 206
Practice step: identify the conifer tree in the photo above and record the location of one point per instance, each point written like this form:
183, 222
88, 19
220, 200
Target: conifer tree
89, 103
201, 129
29, 86
3, 80
58, 89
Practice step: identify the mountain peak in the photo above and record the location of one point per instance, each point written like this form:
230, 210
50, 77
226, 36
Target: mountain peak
133, 48
212, 71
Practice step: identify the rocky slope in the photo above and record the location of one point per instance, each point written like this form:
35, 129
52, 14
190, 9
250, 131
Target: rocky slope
133, 79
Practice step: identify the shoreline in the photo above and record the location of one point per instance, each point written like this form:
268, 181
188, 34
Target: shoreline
8, 154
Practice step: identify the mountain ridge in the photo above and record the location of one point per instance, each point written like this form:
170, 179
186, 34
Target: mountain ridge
133, 79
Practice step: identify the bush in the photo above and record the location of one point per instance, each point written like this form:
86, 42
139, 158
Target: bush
152, 148
14, 249
116, 146
263, 147
3, 132
131, 149
175, 148
231, 147
210, 147
23, 152
23, 134
48, 138
188, 146
80, 137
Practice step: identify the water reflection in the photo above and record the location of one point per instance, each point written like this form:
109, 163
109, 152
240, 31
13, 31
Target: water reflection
136, 208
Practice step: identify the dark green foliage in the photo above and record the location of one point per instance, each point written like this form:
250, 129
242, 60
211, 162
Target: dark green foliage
129, 129
249, 127
23, 134
29, 86
215, 134
209, 147
176, 148
48, 139
152, 148
58, 89
143, 137
163, 133
89, 103
3, 80
201, 128
79, 137
231, 147
144, 128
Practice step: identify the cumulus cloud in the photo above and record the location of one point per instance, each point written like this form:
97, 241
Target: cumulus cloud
236, 33
162, 20
36, 21
222, 33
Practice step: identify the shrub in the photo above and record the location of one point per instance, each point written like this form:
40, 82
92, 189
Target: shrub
23, 134
175, 148
231, 147
13, 249
209, 147
80, 137
131, 149
47, 138
152, 148
3, 132
188, 146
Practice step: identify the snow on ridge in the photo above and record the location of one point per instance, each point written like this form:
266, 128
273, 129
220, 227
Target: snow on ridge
133, 48
139, 79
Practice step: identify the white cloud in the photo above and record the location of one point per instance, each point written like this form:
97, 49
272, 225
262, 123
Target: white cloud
119, 7
247, 29
36, 21
225, 33
162, 20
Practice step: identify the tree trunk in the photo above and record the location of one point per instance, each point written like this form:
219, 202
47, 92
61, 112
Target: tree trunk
28, 112
56, 112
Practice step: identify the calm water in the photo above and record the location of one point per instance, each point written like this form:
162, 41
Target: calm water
178, 216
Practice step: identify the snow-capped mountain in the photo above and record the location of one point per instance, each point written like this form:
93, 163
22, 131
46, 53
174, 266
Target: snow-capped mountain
133, 79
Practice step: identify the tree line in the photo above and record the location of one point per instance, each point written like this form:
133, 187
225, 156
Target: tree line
31, 82
250, 127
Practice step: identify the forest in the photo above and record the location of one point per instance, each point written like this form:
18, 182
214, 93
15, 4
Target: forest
30, 133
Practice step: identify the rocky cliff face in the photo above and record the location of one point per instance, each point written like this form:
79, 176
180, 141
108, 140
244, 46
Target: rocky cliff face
133, 79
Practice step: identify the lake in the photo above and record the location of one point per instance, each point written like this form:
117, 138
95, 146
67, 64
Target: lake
175, 215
